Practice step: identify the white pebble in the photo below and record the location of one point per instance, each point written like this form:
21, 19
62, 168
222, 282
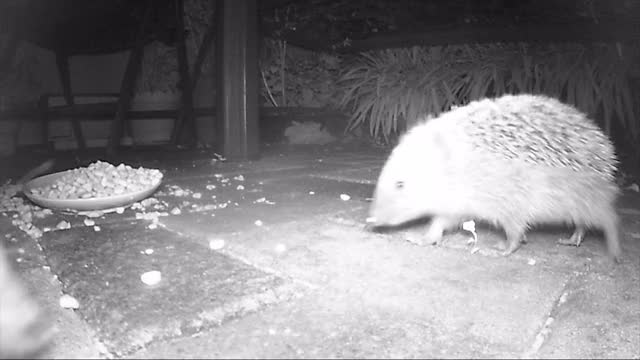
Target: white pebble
151, 277
216, 244
345, 197
69, 302
120, 210
148, 251
93, 214
197, 195
62, 225
153, 226
280, 248
312, 193
258, 223
96, 228
563, 297
89, 222
240, 187
175, 211
531, 262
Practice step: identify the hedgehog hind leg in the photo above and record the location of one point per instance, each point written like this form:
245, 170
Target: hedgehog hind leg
576, 238
514, 237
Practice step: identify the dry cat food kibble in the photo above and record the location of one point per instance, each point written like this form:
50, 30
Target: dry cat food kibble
100, 179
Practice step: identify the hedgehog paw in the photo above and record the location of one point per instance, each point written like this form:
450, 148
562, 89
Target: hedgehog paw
509, 247
575, 239
415, 239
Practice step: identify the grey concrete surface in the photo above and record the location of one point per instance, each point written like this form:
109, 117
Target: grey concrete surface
295, 274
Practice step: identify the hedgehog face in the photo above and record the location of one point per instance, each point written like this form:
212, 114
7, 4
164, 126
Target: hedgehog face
404, 190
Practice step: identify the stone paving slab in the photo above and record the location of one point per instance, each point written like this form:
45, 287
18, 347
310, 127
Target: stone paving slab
199, 287
72, 337
290, 199
331, 252
600, 317
363, 294
381, 298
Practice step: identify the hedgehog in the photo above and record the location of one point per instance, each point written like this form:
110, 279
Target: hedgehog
513, 161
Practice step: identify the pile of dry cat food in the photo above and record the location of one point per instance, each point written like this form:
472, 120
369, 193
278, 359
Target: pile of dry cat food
98, 180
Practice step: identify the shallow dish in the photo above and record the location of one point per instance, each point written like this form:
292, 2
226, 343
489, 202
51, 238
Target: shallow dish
89, 204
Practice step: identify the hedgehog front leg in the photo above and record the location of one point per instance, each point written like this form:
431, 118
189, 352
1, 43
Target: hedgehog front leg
437, 227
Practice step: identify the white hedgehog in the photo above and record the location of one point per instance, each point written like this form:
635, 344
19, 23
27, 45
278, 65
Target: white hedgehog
513, 161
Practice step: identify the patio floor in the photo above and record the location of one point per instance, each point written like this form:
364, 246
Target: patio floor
269, 258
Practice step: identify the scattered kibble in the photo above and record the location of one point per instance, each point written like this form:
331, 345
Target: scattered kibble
280, 248
69, 302
151, 277
216, 244
63, 225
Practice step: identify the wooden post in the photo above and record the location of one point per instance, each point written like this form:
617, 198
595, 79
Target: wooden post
185, 114
128, 83
237, 79
62, 61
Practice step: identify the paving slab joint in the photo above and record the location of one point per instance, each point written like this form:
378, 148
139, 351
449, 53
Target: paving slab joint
546, 329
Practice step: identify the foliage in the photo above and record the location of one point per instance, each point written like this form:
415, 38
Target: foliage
19, 83
390, 89
159, 70
309, 77
198, 15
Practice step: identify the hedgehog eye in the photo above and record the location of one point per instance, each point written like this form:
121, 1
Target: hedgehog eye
399, 184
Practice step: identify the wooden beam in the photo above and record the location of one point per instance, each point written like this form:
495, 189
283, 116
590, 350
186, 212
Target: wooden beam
585, 31
237, 79
449, 35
